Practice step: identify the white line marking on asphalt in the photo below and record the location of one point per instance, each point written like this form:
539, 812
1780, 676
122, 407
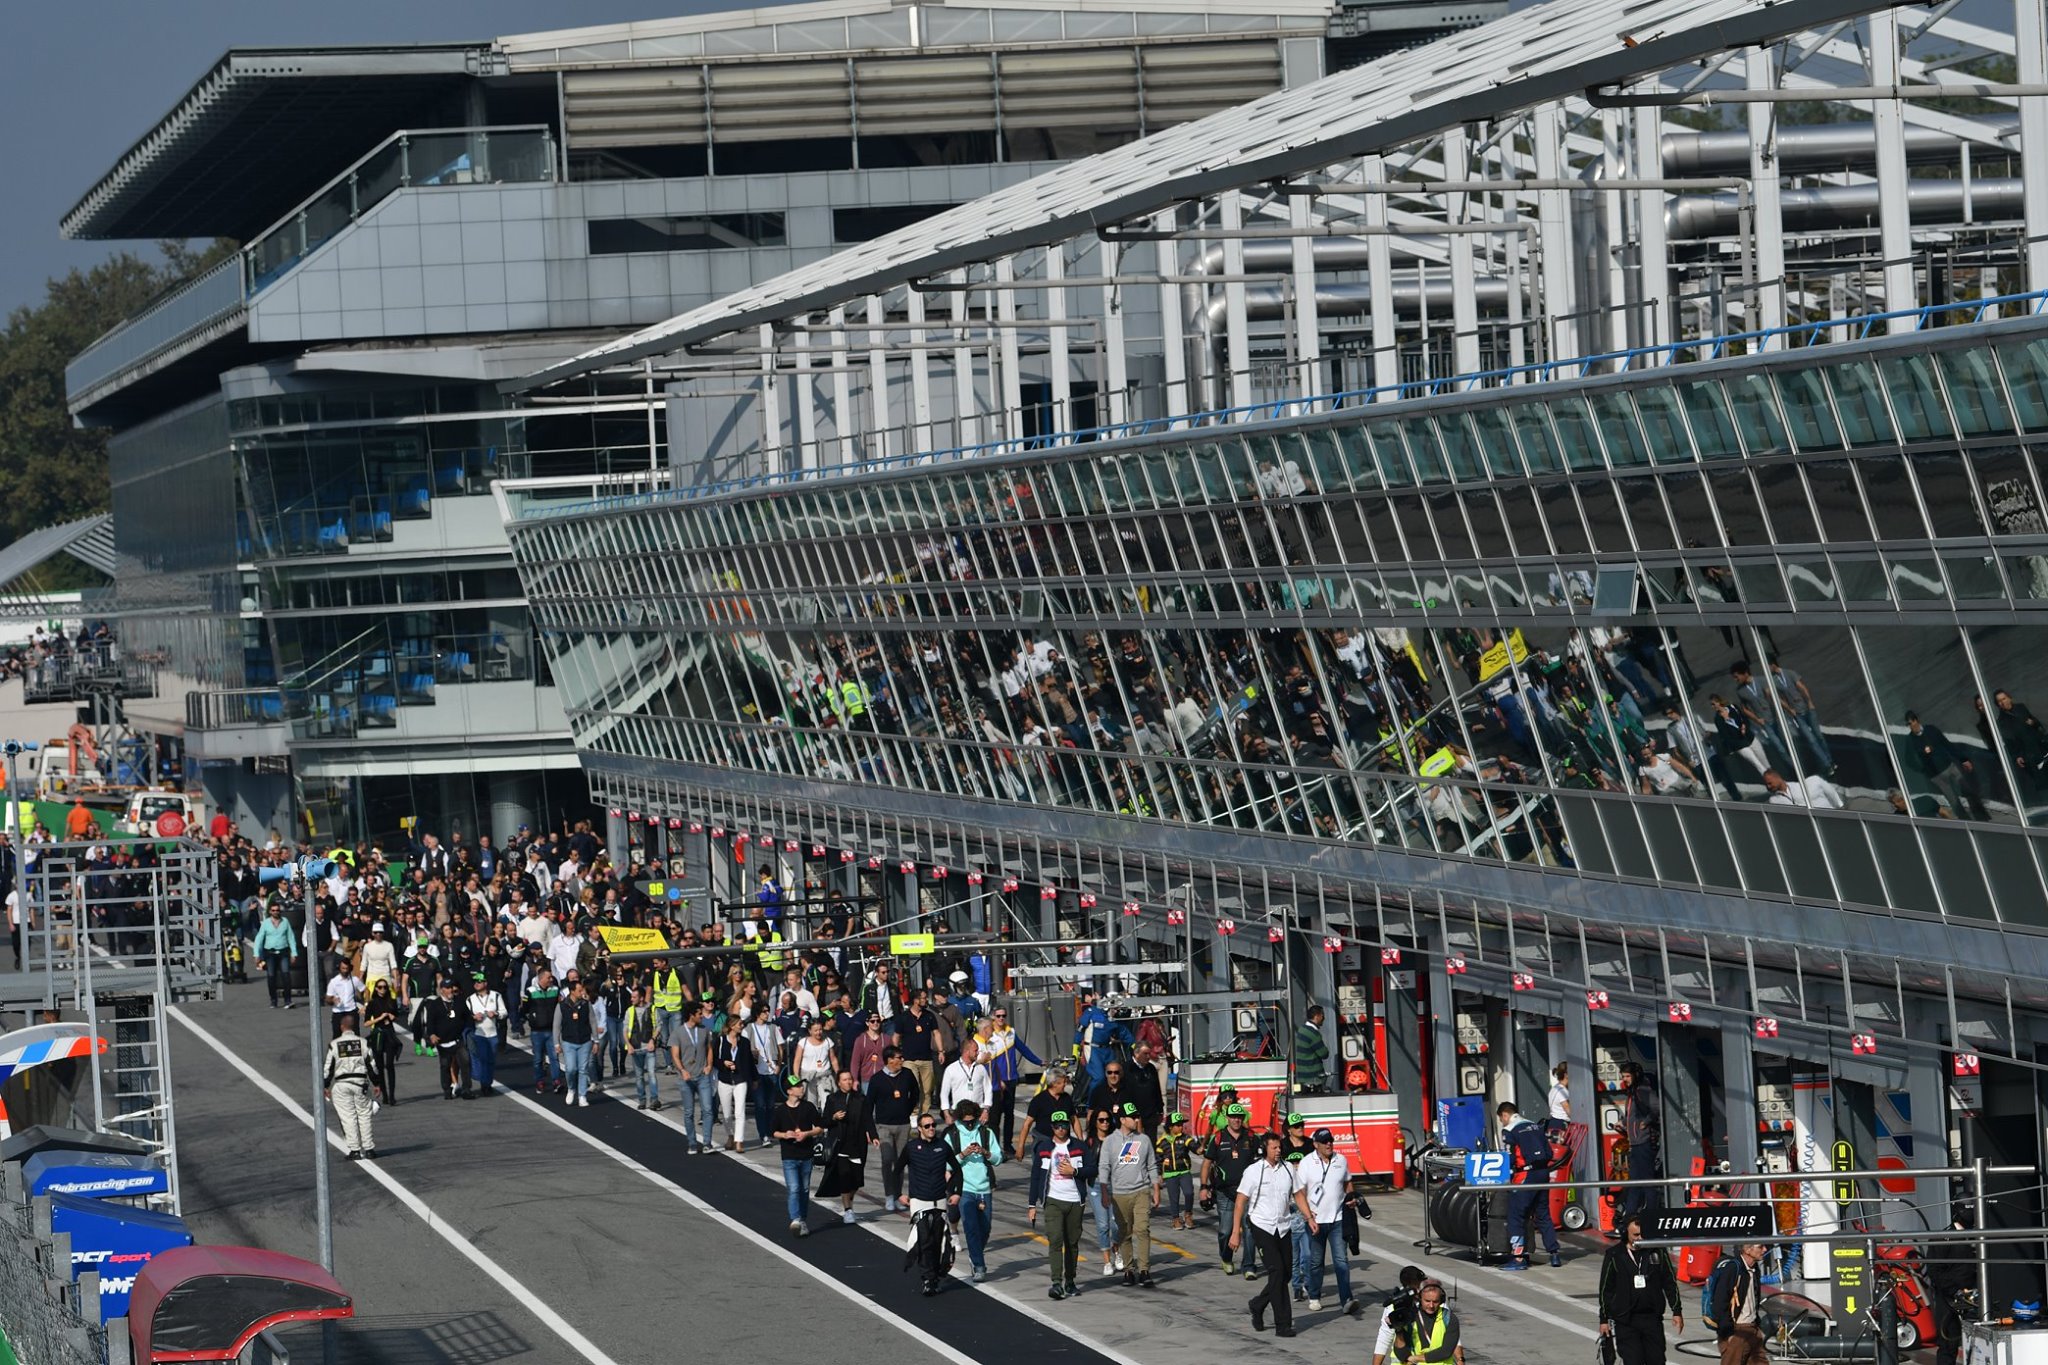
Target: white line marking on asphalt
889, 1231
768, 1244
1479, 1285
521, 1295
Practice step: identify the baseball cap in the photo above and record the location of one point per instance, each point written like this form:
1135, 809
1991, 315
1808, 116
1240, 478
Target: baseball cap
378, 927
1128, 1110
1176, 1117
1226, 1089
476, 976
792, 1082
1060, 1116
1236, 1111
1322, 1135
1295, 1120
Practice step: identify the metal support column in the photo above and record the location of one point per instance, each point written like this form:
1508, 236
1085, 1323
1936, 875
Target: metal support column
843, 423
1464, 301
2030, 36
1059, 358
1116, 372
1889, 118
1172, 326
1738, 1090
1578, 1056
920, 379
1653, 252
1379, 261
774, 455
1553, 233
1308, 332
1767, 304
1011, 400
1237, 347
878, 384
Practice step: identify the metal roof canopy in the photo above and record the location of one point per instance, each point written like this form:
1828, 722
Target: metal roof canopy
1533, 57
89, 540
260, 132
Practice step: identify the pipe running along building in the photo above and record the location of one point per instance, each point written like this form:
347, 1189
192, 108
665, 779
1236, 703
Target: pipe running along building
1537, 543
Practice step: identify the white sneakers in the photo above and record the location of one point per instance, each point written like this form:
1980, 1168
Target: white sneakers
846, 1217
1315, 1305
581, 1101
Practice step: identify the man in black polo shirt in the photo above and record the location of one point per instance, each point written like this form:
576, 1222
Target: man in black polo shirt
917, 1032
1228, 1156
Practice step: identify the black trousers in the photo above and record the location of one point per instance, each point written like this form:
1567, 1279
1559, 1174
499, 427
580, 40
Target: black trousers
1639, 1339
1948, 1330
1277, 1249
1642, 1165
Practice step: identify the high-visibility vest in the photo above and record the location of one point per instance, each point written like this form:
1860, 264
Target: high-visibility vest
668, 991
854, 697
765, 947
1433, 1347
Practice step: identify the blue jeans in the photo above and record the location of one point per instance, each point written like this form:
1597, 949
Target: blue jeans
1299, 1279
1105, 1215
483, 1059
699, 1094
976, 1214
544, 1063
645, 1086
764, 1095
796, 1180
576, 1068
1329, 1237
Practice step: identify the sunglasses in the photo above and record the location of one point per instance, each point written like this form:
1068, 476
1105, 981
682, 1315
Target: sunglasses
927, 1127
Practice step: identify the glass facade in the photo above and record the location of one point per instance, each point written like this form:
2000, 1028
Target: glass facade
1763, 626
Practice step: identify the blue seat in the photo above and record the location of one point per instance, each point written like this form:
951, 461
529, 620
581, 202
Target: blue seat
448, 475
269, 708
415, 498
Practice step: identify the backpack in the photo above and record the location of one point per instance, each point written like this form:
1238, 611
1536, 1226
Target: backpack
1716, 1287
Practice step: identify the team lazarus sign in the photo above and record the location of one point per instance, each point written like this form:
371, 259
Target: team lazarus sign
1715, 1223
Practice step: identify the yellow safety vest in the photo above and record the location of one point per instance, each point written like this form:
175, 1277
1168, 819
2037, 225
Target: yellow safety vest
668, 991
1433, 1347
854, 697
763, 947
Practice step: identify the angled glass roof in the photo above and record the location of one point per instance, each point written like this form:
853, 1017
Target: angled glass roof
1543, 53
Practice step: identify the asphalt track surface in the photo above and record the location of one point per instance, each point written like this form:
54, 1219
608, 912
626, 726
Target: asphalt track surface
516, 1229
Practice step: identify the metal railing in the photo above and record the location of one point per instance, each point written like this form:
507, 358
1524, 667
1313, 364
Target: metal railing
1816, 332
234, 709
408, 159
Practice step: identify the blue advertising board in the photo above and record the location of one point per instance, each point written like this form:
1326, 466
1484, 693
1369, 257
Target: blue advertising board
94, 1175
116, 1240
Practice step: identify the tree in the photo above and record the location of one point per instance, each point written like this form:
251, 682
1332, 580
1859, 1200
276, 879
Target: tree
50, 470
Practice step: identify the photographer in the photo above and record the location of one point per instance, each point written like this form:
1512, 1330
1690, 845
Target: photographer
1398, 1315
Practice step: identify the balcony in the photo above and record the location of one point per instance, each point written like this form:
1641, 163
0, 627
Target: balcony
352, 693
240, 709
215, 304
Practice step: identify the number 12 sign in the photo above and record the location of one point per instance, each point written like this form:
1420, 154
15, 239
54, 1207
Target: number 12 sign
1486, 1168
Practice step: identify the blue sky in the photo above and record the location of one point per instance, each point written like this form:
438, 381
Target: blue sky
82, 80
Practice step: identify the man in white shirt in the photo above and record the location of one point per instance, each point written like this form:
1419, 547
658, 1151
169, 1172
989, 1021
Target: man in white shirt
1815, 793
344, 994
1322, 1185
1265, 1199
1665, 774
486, 1022
966, 1079
380, 958
563, 951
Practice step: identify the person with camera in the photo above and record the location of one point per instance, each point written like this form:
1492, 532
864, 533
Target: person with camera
1432, 1333
1637, 1285
1397, 1315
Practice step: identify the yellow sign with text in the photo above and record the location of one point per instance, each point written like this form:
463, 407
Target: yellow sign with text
913, 945
1504, 653
621, 939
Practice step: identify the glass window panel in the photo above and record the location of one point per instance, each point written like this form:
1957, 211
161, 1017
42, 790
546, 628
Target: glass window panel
1483, 512
1539, 447
1685, 494
1525, 521
2015, 877
2010, 497
1894, 502
1973, 578
1812, 580
1842, 517
1414, 521
2028, 575
1756, 413
1784, 494
1735, 499
1799, 848
1561, 514
1460, 445
1947, 495
1617, 416
1713, 428
1424, 450
1906, 873
1575, 433
1754, 852
1856, 877
1761, 584
1916, 397
1975, 391
1392, 455
1497, 442
1450, 526
1664, 425
1863, 578
1603, 515
1807, 410
1646, 513
1917, 579
2026, 376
